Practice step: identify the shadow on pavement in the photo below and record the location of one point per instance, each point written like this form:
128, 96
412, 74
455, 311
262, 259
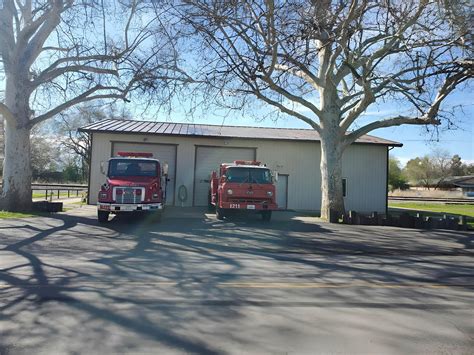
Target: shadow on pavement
170, 276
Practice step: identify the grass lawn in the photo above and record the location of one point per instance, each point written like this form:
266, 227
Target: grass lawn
55, 195
466, 210
438, 208
6, 214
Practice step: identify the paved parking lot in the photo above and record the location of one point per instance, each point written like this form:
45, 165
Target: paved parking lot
193, 284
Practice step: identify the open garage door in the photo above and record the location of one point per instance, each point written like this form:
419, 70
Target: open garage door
165, 153
209, 159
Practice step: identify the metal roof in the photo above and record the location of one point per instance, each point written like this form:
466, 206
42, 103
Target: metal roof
463, 181
206, 130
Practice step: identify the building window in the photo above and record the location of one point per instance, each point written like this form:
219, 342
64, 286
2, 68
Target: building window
344, 187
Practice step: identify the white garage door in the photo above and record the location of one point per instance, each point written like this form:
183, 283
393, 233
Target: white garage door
165, 153
208, 159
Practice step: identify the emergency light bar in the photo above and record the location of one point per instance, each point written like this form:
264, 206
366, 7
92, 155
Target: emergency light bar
135, 154
246, 162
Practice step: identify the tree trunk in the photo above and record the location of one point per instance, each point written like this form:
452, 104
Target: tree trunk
16, 195
332, 204
16, 189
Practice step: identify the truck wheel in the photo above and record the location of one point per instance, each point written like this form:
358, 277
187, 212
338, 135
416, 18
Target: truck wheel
220, 214
103, 216
266, 215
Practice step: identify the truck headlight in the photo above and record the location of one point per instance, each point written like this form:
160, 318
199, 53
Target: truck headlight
269, 193
230, 192
103, 195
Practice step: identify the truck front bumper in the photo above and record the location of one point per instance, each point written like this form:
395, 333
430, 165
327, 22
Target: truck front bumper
250, 206
129, 207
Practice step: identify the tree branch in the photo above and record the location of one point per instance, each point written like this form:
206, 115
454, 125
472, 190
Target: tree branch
286, 110
33, 48
298, 99
395, 121
47, 76
302, 74
84, 97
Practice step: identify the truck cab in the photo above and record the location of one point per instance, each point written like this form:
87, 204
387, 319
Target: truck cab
135, 182
243, 185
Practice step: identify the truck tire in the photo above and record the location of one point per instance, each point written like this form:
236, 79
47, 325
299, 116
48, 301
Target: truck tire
220, 213
103, 216
266, 216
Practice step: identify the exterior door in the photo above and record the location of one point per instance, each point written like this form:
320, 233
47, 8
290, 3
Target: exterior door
282, 192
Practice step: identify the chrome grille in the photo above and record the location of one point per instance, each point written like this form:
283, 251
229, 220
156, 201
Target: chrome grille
129, 195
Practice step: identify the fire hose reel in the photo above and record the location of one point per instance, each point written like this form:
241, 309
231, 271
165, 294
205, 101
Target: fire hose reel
182, 194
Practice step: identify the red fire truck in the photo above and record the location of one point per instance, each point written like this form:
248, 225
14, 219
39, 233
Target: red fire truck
243, 185
135, 182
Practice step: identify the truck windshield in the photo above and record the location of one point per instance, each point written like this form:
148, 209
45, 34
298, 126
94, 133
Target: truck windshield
251, 175
132, 167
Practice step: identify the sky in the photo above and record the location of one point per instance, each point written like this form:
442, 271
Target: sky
416, 140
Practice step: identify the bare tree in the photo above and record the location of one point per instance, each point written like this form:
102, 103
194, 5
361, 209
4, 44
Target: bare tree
441, 160
78, 143
326, 62
59, 53
429, 170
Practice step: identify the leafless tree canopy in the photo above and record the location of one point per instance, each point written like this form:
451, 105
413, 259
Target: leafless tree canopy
55, 54
318, 59
66, 52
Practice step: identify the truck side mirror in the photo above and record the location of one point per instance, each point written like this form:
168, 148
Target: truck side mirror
223, 178
275, 176
165, 168
103, 167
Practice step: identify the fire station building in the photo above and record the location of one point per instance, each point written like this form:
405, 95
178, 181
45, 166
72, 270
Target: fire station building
193, 151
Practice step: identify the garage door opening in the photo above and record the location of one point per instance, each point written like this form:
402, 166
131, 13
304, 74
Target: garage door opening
165, 153
208, 159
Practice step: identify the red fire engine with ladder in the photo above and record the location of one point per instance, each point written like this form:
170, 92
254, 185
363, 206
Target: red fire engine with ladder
243, 185
135, 182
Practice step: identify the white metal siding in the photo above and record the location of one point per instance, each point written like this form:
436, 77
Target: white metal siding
299, 160
365, 168
165, 153
208, 159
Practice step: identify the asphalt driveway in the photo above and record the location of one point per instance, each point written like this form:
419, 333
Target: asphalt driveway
193, 284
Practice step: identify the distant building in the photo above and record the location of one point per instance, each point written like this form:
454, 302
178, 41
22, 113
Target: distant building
466, 183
